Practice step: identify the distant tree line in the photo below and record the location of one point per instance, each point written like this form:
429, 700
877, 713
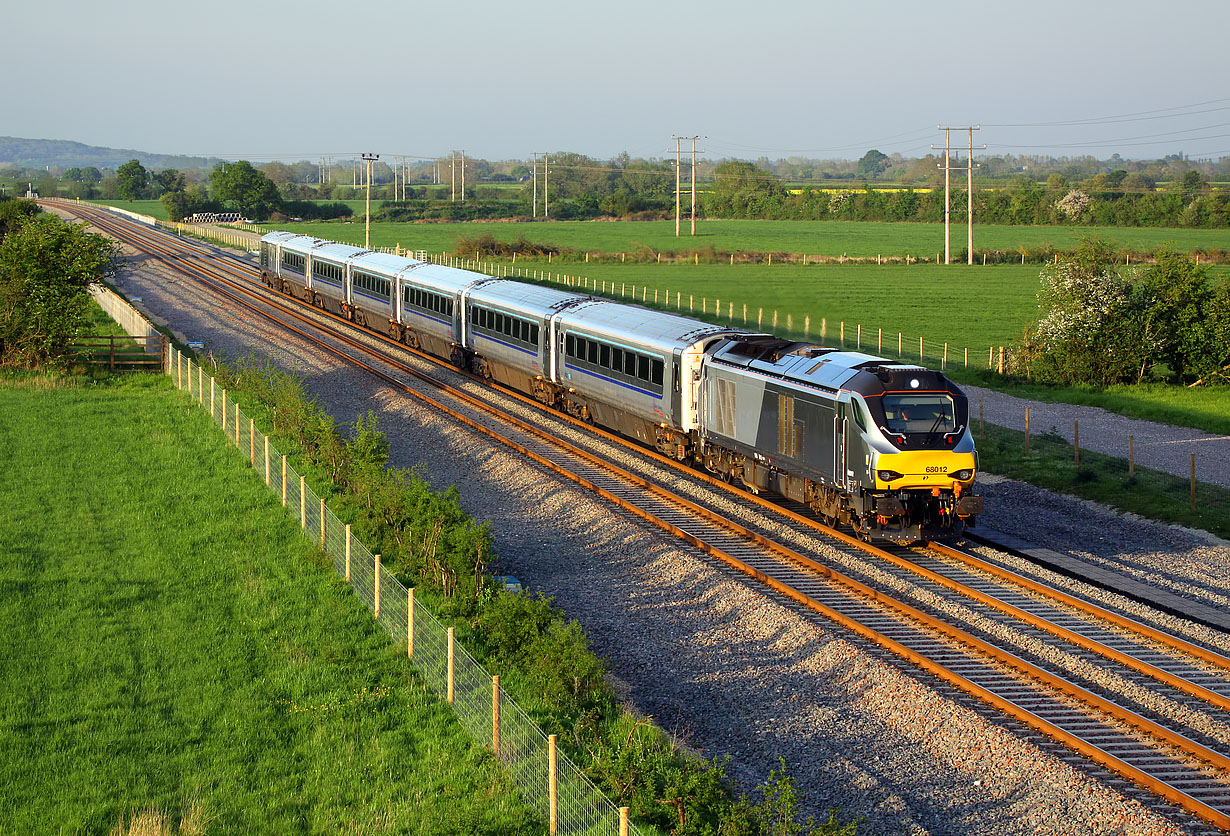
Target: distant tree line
1173, 191
743, 190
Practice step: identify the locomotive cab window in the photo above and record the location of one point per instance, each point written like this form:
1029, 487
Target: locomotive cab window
928, 413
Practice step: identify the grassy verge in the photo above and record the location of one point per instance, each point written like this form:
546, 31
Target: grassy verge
1105, 479
173, 643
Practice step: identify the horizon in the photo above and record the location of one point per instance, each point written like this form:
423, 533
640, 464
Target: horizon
820, 81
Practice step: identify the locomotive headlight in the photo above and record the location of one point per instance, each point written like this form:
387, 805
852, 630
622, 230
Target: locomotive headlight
888, 475
963, 475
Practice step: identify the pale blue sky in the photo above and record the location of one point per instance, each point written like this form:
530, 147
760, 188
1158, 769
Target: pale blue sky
260, 80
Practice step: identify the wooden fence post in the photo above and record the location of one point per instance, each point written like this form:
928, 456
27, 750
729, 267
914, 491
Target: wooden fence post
410, 623
322, 523
347, 552
552, 786
200, 385
376, 585
1192, 480
448, 688
223, 410
237, 427
211, 398
303, 503
283, 480
267, 483
623, 821
252, 441
495, 715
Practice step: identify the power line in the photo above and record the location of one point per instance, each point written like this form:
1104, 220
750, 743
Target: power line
1164, 113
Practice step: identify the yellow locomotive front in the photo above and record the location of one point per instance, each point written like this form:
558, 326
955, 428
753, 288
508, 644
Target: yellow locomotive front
920, 456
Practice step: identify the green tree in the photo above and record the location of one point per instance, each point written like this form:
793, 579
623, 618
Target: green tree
1180, 308
132, 180
167, 180
45, 266
872, 163
243, 189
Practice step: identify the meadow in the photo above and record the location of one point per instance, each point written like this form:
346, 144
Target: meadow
174, 644
826, 238
919, 300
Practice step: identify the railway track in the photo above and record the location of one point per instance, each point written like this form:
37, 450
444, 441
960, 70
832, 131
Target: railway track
1139, 701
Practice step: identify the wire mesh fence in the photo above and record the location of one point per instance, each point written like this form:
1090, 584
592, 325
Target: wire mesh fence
548, 780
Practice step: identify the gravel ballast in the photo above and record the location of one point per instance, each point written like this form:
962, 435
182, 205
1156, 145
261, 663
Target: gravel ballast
728, 669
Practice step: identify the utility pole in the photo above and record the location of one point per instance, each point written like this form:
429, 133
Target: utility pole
367, 218
676, 185
694, 138
535, 210
452, 174
463, 175
970, 190
546, 194
969, 201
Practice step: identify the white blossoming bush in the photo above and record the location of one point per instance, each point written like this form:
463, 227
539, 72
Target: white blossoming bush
1074, 205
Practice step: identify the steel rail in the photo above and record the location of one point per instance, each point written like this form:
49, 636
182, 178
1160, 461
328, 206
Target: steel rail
1087, 607
1031, 719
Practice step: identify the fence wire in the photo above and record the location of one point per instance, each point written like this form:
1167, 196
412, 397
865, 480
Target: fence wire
524, 749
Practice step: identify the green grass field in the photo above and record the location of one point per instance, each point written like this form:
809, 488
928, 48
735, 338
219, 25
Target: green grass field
173, 643
830, 238
153, 208
916, 300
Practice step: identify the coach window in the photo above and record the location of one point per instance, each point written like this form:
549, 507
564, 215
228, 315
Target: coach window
604, 356
593, 352
617, 359
630, 364
642, 367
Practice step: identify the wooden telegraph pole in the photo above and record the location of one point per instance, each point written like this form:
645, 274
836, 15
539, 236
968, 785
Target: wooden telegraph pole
677, 138
367, 219
969, 203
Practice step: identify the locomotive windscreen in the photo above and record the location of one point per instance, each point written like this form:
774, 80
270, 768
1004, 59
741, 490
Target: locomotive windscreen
920, 413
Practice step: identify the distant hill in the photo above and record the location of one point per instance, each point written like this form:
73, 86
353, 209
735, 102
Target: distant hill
62, 153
